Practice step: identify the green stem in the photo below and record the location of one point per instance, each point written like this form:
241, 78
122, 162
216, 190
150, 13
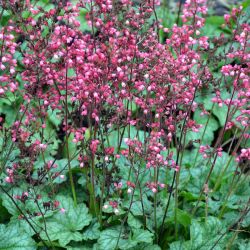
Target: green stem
217, 145
142, 205
93, 202
206, 208
228, 247
231, 190
203, 134
67, 140
155, 202
218, 180
217, 184
130, 206
177, 190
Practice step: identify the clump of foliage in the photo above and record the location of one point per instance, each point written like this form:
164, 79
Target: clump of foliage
120, 130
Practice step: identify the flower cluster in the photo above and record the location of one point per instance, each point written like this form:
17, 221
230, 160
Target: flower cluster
115, 95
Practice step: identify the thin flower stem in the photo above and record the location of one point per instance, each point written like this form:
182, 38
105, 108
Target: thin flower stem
177, 191
142, 205
155, 202
180, 147
67, 139
130, 206
44, 221
92, 190
218, 143
233, 187
24, 216
103, 182
203, 134
232, 226
13, 143
177, 160
179, 12
219, 178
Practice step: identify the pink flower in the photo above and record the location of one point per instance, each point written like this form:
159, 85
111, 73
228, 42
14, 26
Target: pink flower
62, 210
9, 179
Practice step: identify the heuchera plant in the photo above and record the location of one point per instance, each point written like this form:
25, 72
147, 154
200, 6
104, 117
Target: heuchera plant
113, 121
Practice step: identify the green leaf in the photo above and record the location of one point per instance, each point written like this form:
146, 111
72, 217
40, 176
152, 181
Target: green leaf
10, 110
29, 205
79, 248
62, 167
109, 237
194, 136
45, 5
50, 138
128, 244
134, 222
212, 123
208, 136
136, 207
26, 14
11, 238
238, 197
188, 196
8, 203
244, 244
64, 227
54, 118
179, 245
205, 235
45, 31
141, 235
22, 225
196, 234
5, 17
197, 180
130, 132
246, 4
245, 143
149, 247
183, 218
220, 165
84, 25
220, 113
82, 181
92, 232
72, 147
215, 20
